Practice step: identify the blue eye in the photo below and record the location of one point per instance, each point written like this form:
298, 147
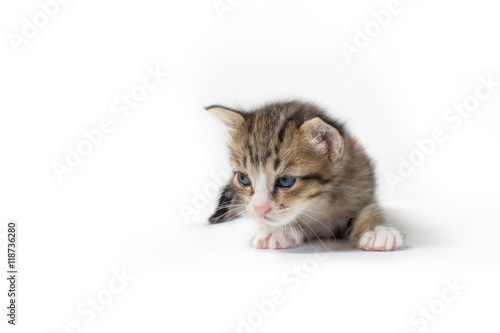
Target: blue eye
243, 179
285, 182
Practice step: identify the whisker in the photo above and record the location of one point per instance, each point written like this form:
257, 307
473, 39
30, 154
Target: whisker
326, 248
298, 247
230, 205
331, 231
238, 214
305, 233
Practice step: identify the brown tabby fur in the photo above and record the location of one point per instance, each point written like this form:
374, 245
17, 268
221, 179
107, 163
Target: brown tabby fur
337, 186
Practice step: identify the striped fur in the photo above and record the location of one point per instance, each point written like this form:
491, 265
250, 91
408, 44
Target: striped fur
334, 184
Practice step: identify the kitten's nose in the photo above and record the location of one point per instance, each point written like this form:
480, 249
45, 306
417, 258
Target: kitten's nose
262, 210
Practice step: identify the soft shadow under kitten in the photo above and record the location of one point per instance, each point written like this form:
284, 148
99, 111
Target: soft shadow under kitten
300, 175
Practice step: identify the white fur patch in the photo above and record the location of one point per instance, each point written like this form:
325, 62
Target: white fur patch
381, 239
261, 194
278, 238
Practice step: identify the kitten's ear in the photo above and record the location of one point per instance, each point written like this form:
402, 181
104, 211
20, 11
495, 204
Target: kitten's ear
324, 137
231, 118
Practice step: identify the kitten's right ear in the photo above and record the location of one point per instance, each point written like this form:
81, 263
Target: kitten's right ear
324, 137
231, 118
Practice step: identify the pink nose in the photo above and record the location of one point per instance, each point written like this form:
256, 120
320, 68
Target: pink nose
262, 210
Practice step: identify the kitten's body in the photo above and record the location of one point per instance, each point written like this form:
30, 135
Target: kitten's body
333, 189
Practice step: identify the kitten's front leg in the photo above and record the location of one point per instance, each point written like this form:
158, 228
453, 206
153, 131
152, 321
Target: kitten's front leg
229, 206
284, 237
371, 233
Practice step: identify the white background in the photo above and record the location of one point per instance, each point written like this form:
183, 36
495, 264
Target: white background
120, 209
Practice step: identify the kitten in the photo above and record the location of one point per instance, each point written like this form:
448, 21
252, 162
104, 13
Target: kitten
300, 175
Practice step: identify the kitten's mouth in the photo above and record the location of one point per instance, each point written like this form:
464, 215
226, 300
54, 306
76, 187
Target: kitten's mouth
274, 221
267, 220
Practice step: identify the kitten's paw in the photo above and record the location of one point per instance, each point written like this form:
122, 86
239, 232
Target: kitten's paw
279, 238
382, 238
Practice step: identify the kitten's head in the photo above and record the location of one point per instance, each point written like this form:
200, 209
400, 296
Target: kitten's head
283, 156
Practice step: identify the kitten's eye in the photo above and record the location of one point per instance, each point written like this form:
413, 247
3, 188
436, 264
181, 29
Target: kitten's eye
244, 180
285, 182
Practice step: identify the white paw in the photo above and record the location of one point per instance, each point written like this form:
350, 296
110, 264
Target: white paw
381, 239
279, 238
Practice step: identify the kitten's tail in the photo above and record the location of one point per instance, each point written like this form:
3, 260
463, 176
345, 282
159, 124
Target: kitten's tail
229, 207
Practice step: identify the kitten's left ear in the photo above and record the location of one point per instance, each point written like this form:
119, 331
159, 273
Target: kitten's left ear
231, 118
324, 137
